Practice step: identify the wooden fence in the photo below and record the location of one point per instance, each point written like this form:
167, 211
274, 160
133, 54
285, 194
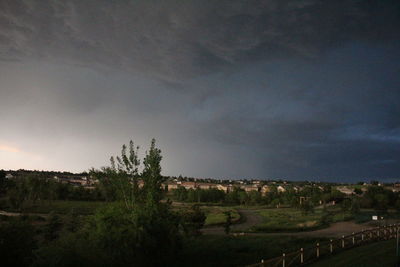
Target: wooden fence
333, 246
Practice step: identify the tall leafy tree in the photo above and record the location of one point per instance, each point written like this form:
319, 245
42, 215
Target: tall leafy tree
151, 175
121, 179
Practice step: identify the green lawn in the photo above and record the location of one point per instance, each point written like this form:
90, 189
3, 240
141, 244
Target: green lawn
288, 219
292, 220
376, 254
216, 215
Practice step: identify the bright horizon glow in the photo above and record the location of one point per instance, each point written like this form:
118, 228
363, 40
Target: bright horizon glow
9, 149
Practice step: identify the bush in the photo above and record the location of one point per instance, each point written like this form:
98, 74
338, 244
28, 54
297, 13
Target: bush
193, 220
16, 243
115, 236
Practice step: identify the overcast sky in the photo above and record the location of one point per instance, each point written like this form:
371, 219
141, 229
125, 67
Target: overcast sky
301, 89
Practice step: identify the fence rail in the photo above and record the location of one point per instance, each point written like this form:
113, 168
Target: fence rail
332, 246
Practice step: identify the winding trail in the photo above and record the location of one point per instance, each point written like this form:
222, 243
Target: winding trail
248, 220
251, 218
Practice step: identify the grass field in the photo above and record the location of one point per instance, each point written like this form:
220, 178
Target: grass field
292, 220
288, 219
373, 255
216, 215
236, 251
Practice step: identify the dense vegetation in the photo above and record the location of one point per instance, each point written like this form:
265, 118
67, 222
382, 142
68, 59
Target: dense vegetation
376, 197
135, 229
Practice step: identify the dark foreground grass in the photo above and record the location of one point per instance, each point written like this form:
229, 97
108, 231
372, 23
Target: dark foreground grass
372, 255
237, 251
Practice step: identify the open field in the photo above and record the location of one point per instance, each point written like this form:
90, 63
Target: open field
293, 220
216, 215
377, 254
281, 220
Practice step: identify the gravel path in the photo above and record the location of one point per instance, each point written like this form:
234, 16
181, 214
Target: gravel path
251, 218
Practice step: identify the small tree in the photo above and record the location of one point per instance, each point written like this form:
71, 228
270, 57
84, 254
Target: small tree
53, 227
346, 204
17, 243
193, 220
355, 206
307, 207
228, 222
381, 202
152, 178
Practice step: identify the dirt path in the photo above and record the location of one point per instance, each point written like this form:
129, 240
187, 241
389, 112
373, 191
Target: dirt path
251, 218
13, 214
334, 230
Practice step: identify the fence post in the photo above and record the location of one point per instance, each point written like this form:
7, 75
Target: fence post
317, 250
283, 260
301, 255
331, 246
342, 241
379, 230
354, 240
397, 242
262, 263
362, 235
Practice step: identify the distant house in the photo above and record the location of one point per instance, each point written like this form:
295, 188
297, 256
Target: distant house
345, 190
225, 188
9, 176
265, 189
170, 185
189, 185
251, 188
205, 185
281, 189
395, 189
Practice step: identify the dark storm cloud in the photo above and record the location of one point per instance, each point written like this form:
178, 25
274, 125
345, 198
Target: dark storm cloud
177, 39
269, 89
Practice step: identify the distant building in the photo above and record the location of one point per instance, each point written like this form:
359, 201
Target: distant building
225, 188
189, 185
205, 185
345, 190
281, 189
251, 188
170, 185
265, 189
